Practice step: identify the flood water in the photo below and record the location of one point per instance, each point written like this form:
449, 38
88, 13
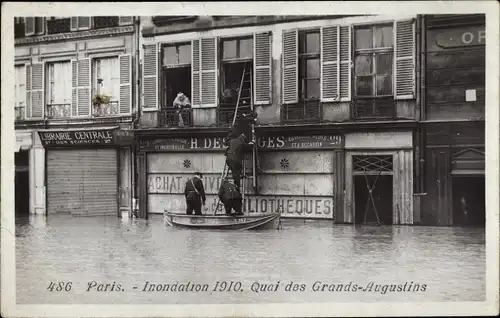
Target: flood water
450, 262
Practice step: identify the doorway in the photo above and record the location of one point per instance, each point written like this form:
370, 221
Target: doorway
469, 200
22, 184
378, 203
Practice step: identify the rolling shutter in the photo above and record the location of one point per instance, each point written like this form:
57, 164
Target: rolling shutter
150, 77
262, 69
209, 72
345, 62
290, 67
404, 48
125, 84
195, 74
330, 67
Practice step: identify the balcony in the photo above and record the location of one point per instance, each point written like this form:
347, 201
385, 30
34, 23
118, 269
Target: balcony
57, 26
104, 110
58, 111
225, 114
19, 30
19, 113
373, 108
302, 112
173, 117
106, 22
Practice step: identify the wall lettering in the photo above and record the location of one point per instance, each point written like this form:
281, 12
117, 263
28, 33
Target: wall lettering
460, 37
85, 137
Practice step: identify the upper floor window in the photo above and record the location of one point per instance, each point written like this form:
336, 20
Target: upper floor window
20, 91
177, 54
80, 23
59, 89
106, 82
34, 26
309, 65
373, 61
237, 49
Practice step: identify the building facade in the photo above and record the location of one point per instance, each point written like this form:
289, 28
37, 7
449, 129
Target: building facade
337, 105
75, 105
452, 129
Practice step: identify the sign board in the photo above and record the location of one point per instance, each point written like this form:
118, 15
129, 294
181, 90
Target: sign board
460, 37
88, 137
265, 143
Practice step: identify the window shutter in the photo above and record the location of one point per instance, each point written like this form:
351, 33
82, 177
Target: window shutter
29, 26
262, 68
28, 91
404, 83
74, 87
126, 20
209, 72
84, 23
195, 73
74, 23
290, 80
330, 67
150, 77
37, 85
40, 25
345, 63
125, 83
83, 90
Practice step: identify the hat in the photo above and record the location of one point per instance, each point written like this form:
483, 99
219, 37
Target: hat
198, 174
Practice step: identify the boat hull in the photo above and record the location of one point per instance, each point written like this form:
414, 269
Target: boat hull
223, 222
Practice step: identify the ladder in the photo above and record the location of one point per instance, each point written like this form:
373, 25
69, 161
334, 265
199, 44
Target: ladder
246, 78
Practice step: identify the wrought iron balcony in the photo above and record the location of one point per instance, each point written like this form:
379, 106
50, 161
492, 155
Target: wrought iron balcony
19, 30
57, 26
58, 111
304, 111
174, 117
225, 114
373, 108
104, 110
106, 22
19, 113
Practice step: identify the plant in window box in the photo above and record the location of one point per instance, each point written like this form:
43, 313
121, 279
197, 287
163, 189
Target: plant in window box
99, 101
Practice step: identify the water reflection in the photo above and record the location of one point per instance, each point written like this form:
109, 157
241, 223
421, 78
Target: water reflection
131, 252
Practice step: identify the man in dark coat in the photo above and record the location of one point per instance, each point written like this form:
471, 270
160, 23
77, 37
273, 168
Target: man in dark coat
243, 125
235, 154
194, 193
231, 197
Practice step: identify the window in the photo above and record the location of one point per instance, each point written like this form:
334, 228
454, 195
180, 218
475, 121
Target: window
59, 89
237, 49
34, 25
20, 91
106, 82
177, 54
309, 65
80, 23
373, 61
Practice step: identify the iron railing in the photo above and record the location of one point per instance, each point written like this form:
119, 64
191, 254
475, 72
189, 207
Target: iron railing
304, 111
19, 113
103, 110
373, 108
225, 114
57, 26
58, 110
174, 117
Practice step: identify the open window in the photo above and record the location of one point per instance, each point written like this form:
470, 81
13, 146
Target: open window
106, 86
58, 92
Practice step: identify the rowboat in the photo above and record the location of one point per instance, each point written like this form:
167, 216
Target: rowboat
265, 221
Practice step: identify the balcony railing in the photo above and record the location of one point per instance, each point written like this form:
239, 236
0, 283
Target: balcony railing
58, 110
19, 113
58, 26
103, 110
174, 117
373, 108
225, 114
304, 111
106, 22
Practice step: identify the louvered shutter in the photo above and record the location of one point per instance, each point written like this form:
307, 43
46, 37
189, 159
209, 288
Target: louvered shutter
150, 77
209, 72
345, 62
290, 82
330, 67
37, 86
195, 74
83, 90
28, 91
74, 23
126, 20
84, 23
404, 84
40, 25
262, 68
74, 87
125, 84
29, 26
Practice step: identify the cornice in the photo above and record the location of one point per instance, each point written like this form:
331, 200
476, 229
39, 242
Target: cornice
74, 35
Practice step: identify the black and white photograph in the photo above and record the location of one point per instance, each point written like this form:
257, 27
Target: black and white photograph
251, 159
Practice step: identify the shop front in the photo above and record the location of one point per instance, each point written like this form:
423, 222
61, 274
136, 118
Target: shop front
88, 171
300, 176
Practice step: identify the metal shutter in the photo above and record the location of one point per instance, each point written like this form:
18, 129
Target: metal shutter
82, 181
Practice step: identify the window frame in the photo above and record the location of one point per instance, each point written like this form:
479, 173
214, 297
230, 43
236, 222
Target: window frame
238, 58
162, 88
48, 85
163, 47
16, 105
303, 58
373, 52
94, 74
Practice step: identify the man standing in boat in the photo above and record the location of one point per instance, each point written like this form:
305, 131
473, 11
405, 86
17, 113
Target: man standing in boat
231, 197
195, 194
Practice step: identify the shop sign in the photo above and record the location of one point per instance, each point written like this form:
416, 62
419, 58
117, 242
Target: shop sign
101, 137
474, 35
266, 143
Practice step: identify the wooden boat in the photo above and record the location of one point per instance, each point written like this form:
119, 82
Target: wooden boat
224, 222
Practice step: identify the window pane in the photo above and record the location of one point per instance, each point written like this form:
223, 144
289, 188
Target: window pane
364, 85
383, 36
229, 49
312, 89
110, 84
169, 55
364, 38
185, 54
364, 64
384, 63
246, 48
312, 43
60, 79
312, 68
384, 84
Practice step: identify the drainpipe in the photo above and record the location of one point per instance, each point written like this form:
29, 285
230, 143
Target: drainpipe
136, 114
